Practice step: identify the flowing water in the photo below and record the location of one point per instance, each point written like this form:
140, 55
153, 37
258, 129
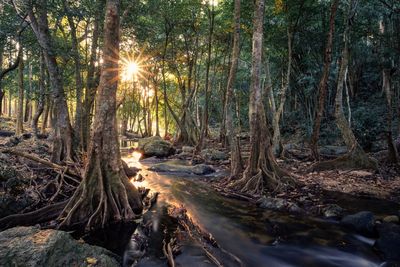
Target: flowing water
258, 237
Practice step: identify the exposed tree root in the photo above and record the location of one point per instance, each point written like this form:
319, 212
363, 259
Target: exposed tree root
42, 215
355, 159
269, 177
99, 201
168, 252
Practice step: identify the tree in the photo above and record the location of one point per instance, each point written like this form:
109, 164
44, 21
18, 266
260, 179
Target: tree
356, 156
20, 112
105, 193
324, 81
204, 124
262, 171
231, 139
62, 144
41, 97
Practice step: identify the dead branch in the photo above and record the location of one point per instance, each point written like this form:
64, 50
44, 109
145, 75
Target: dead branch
41, 161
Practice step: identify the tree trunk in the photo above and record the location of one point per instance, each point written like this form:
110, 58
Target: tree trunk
20, 110
204, 124
324, 82
28, 104
262, 170
393, 155
105, 194
78, 127
276, 139
269, 91
1, 69
91, 84
41, 97
62, 140
47, 111
356, 157
231, 135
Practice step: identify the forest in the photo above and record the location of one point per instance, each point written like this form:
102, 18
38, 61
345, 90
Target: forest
200, 133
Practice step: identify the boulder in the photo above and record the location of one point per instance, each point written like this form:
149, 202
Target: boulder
200, 169
388, 242
155, 146
362, 222
213, 154
332, 210
30, 246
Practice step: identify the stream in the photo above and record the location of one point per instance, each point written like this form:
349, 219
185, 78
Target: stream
257, 236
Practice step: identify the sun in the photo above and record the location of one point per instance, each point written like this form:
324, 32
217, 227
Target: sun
133, 68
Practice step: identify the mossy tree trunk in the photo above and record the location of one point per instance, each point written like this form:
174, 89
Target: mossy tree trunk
105, 193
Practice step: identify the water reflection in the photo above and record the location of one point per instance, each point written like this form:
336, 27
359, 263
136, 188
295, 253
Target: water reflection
257, 236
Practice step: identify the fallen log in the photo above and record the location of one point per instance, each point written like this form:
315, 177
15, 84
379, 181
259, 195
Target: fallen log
41, 161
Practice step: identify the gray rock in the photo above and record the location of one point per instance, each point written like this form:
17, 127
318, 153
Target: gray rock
388, 242
200, 169
155, 146
30, 246
362, 222
213, 154
332, 210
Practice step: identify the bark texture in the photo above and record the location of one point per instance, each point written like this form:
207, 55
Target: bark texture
105, 194
62, 140
262, 171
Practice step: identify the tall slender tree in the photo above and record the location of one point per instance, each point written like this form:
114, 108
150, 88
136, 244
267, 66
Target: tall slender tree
62, 142
323, 84
20, 109
356, 156
231, 139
